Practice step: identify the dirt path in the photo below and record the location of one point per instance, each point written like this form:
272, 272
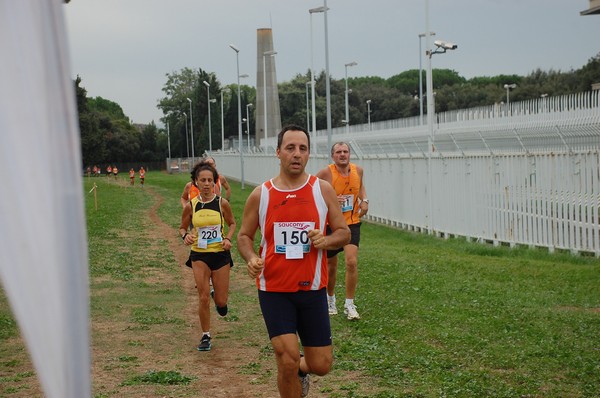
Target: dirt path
219, 372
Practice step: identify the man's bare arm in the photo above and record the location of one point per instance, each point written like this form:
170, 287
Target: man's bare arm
245, 240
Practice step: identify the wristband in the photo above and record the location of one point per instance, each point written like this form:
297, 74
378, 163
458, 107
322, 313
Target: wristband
184, 235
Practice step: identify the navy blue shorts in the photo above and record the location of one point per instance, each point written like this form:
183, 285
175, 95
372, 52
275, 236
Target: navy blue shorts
302, 312
354, 239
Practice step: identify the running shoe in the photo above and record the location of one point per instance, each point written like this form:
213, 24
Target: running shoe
204, 343
305, 382
351, 313
331, 307
222, 310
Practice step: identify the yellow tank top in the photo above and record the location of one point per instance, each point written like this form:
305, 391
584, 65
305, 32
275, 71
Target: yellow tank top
208, 225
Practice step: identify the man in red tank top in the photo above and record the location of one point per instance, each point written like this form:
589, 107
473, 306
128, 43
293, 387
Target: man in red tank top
292, 210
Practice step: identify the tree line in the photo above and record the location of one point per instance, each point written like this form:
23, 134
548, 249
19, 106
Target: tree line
107, 134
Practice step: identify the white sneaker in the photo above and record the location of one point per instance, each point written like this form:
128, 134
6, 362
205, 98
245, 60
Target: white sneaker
331, 307
351, 313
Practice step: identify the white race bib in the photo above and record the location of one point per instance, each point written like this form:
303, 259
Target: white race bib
348, 203
291, 238
209, 234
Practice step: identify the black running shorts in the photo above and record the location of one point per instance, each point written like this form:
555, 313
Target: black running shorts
302, 312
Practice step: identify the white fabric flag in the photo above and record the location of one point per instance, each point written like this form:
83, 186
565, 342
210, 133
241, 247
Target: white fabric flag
43, 244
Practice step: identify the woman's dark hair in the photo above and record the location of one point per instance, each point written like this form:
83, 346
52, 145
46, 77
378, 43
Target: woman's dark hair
203, 165
291, 127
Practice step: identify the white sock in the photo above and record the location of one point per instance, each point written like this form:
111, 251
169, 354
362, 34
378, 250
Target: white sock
331, 299
206, 334
348, 302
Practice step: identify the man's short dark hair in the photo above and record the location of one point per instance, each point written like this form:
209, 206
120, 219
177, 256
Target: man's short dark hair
291, 127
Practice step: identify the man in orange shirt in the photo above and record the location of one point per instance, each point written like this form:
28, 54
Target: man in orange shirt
347, 180
190, 191
292, 210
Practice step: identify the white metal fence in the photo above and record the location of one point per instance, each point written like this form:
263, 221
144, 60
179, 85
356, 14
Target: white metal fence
529, 175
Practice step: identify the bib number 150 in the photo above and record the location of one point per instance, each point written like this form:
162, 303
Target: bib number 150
292, 234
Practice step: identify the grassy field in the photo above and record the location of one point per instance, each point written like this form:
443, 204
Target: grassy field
440, 318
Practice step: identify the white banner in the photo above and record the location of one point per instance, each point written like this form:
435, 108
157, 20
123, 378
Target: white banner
43, 249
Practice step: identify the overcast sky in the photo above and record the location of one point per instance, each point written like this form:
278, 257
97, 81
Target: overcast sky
122, 49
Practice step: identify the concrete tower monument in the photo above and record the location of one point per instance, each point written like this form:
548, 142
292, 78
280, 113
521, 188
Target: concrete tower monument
266, 82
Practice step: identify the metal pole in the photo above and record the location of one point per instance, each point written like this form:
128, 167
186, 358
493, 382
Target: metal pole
421, 35
347, 119
187, 136
312, 78
430, 111
248, 123
226, 90
209, 124
192, 131
169, 142
307, 110
237, 56
369, 113
420, 82
327, 83
312, 90
346, 96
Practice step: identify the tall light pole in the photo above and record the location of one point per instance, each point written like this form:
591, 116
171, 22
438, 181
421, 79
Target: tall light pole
312, 79
307, 110
248, 123
327, 82
187, 136
369, 113
192, 131
237, 56
209, 124
508, 87
441, 48
169, 143
346, 95
265, 55
421, 35
223, 120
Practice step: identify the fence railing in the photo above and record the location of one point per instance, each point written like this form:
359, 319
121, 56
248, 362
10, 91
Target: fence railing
531, 177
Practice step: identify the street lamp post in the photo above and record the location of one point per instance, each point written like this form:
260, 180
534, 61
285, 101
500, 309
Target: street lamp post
327, 80
312, 78
223, 120
265, 55
346, 95
169, 143
192, 131
442, 46
369, 113
209, 124
421, 35
248, 123
307, 109
509, 87
187, 136
237, 56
